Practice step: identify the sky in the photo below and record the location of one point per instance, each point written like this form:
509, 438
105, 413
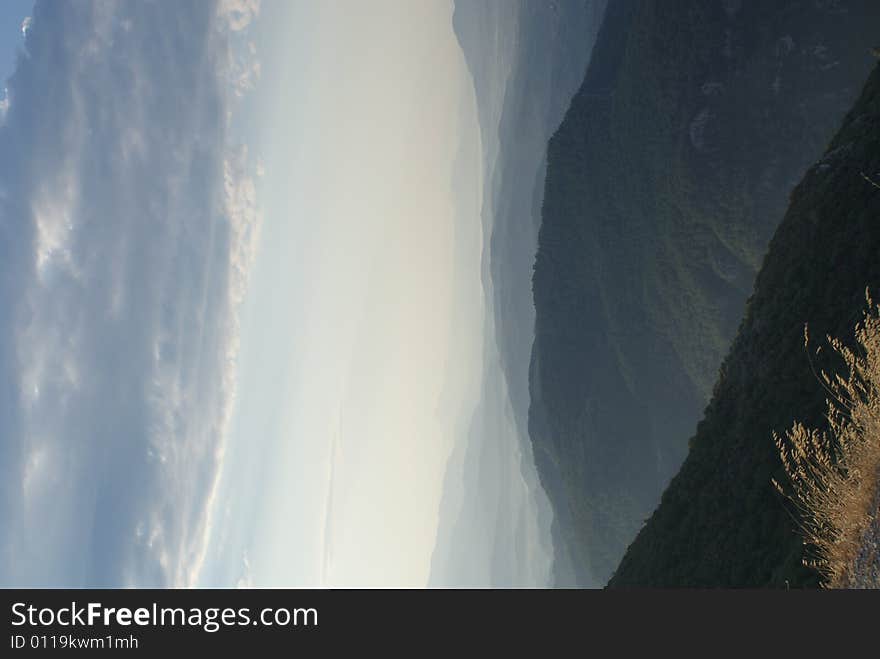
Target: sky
13, 15
361, 335
240, 263
128, 223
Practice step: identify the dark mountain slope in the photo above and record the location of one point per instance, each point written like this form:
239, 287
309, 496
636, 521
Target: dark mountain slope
665, 183
720, 523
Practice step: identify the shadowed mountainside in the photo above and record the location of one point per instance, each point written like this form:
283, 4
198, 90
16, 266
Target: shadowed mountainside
665, 182
720, 522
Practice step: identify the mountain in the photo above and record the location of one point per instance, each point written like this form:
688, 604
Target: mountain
527, 60
720, 522
665, 182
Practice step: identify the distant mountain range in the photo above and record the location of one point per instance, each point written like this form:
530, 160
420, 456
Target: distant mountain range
527, 59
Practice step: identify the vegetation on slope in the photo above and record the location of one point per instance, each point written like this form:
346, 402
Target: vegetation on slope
720, 522
834, 473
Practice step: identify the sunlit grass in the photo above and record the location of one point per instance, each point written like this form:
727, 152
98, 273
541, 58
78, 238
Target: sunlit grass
835, 473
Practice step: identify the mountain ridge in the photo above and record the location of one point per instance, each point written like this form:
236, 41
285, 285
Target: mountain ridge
665, 182
720, 523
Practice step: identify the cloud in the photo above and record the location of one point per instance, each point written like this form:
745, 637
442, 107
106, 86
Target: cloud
245, 580
127, 227
238, 13
243, 67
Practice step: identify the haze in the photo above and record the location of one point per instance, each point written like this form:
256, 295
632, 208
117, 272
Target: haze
361, 338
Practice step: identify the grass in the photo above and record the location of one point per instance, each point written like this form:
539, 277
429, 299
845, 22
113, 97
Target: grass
834, 474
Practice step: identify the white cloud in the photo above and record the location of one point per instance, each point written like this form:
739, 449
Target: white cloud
127, 226
245, 580
238, 13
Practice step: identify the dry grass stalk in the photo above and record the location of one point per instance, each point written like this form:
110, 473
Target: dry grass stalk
835, 473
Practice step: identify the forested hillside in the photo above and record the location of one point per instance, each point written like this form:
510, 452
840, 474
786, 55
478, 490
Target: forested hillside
721, 523
665, 182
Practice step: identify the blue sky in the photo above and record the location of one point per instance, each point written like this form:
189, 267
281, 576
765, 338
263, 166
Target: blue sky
127, 224
12, 13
